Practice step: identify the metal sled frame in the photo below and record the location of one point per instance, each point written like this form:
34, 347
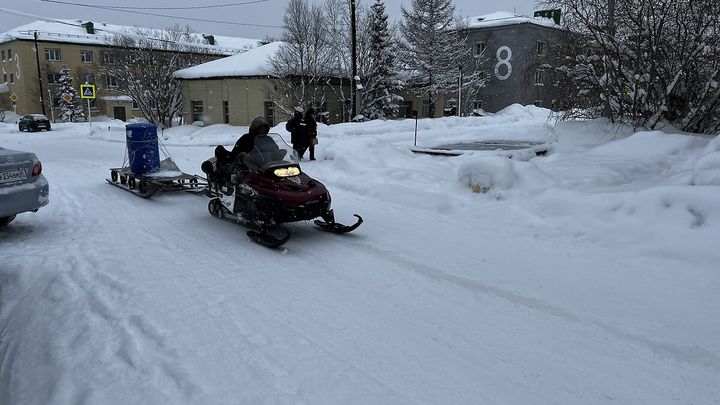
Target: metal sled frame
169, 178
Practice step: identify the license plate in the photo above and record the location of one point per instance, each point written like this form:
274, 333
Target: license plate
13, 175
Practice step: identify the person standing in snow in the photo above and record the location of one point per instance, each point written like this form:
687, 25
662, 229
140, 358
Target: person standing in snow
309, 131
296, 138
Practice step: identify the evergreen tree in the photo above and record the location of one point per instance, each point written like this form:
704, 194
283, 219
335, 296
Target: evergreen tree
432, 46
71, 108
379, 97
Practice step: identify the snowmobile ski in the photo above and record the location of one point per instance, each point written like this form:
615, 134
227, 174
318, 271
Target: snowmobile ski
272, 237
336, 227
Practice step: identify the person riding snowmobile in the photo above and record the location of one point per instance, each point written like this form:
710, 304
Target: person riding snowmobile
245, 143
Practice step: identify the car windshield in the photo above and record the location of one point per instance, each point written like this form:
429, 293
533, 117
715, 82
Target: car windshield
270, 151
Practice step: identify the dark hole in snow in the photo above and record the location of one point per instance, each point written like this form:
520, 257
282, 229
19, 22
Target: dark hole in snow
489, 145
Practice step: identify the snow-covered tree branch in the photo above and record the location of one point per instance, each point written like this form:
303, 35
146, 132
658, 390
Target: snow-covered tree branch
142, 65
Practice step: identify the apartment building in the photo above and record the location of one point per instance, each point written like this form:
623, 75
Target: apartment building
85, 47
514, 52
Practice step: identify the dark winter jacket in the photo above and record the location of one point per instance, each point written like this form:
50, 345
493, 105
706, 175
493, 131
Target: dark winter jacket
308, 128
245, 143
293, 126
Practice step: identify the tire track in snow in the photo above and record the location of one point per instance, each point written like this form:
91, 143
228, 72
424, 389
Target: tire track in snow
695, 355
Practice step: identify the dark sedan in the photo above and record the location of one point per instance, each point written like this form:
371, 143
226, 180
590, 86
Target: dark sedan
23, 188
33, 123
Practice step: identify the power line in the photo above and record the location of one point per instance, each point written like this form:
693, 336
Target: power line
112, 8
158, 8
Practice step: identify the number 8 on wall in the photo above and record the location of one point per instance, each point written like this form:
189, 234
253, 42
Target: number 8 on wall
503, 61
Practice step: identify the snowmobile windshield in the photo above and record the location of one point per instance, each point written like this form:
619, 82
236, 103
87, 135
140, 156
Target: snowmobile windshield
270, 151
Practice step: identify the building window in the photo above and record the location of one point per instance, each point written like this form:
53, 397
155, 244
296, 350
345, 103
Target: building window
12, 78
107, 58
86, 56
428, 109
4, 77
539, 77
197, 110
537, 103
53, 54
135, 105
479, 48
226, 112
541, 48
477, 104
89, 78
9, 54
270, 112
3, 55
54, 78
405, 109
110, 81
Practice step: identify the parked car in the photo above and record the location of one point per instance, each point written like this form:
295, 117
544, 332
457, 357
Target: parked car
23, 188
34, 122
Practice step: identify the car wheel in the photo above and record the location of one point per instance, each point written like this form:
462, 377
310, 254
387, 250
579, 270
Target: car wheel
6, 220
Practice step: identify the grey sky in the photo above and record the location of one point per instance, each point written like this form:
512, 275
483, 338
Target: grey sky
265, 13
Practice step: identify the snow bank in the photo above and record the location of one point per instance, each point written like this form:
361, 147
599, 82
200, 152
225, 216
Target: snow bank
487, 172
706, 170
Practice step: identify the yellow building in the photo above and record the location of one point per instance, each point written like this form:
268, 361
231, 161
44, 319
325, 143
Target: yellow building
84, 47
236, 89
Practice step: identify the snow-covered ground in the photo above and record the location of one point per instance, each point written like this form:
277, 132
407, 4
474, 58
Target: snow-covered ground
588, 276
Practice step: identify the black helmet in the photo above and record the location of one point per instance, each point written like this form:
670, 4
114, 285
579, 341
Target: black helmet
258, 125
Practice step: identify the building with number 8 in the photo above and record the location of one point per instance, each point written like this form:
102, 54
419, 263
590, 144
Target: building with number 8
513, 51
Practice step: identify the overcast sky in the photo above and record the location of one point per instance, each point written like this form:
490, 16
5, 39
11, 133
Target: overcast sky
268, 12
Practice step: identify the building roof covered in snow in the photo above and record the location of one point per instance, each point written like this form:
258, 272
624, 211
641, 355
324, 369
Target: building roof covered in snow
502, 18
255, 62
76, 32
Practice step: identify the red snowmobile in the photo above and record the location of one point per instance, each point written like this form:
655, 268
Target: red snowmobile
265, 188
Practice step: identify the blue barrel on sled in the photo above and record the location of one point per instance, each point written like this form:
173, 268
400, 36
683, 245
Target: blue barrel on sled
142, 147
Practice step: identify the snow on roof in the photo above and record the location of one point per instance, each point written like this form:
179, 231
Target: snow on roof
117, 98
501, 18
72, 31
255, 62
4, 88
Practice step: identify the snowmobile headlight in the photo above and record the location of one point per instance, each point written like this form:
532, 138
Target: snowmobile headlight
287, 171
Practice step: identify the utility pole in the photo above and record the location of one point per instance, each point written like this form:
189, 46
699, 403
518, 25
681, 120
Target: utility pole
459, 106
353, 91
37, 61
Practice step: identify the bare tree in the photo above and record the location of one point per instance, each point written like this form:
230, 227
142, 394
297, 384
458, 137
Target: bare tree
142, 64
304, 61
644, 62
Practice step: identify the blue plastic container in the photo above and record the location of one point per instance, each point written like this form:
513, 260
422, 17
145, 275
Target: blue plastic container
142, 147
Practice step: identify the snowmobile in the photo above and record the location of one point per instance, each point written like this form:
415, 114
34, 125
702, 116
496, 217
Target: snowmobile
265, 188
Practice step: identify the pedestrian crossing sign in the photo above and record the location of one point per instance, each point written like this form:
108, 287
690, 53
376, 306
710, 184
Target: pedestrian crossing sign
87, 91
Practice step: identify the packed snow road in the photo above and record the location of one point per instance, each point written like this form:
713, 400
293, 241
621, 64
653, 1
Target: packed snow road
442, 296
